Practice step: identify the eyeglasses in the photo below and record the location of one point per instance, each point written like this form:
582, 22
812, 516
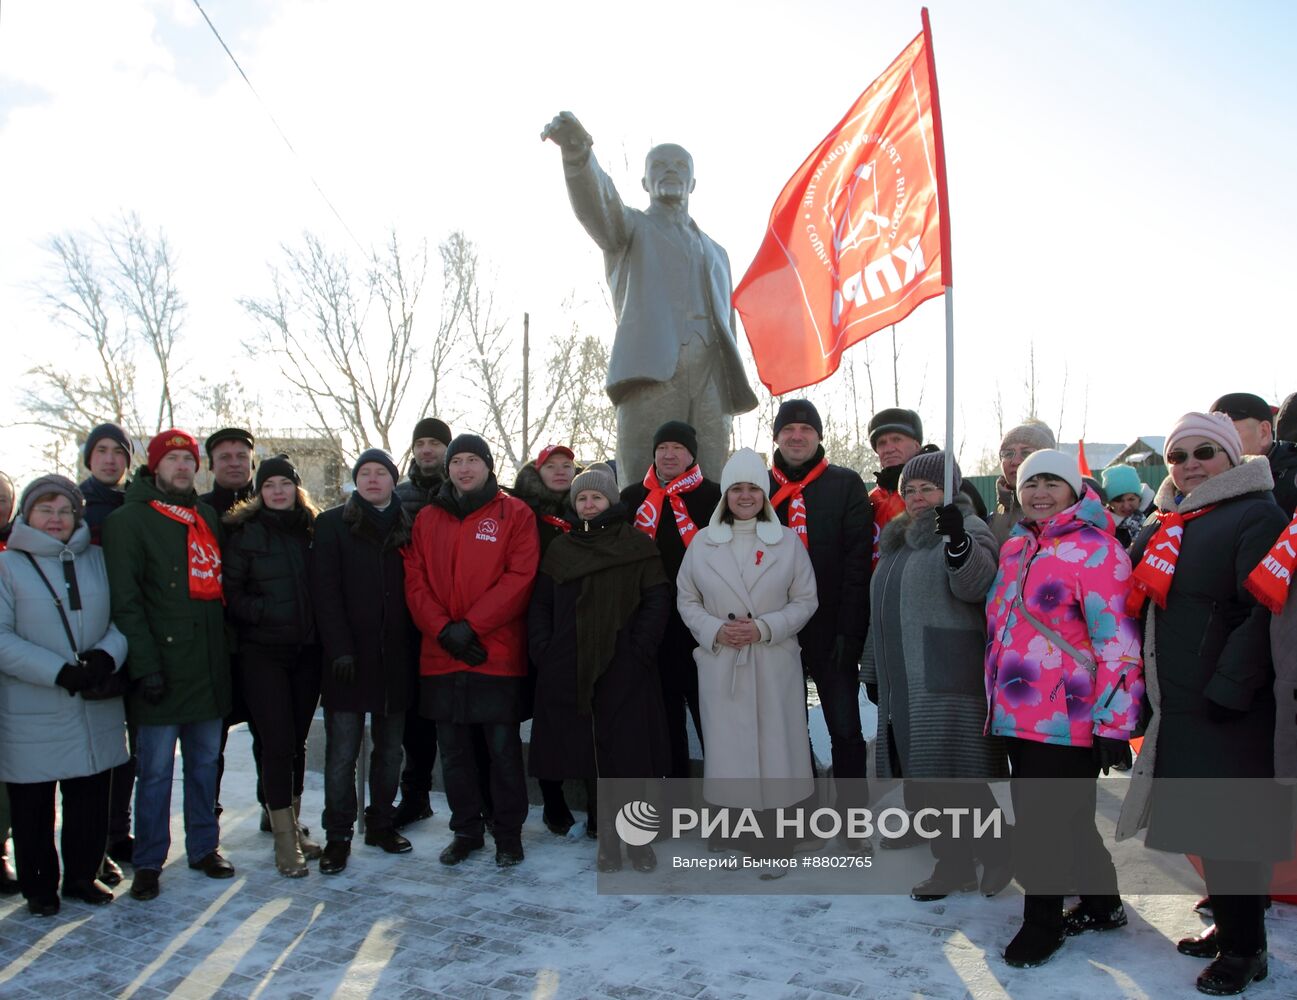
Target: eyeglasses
1008, 453
45, 510
925, 491
1203, 453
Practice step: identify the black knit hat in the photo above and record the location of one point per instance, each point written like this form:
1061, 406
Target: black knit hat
375, 455
931, 467
431, 427
228, 434
473, 445
895, 420
277, 466
679, 432
113, 432
798, 411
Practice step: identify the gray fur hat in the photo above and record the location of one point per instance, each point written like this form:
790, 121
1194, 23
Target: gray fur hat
59, 485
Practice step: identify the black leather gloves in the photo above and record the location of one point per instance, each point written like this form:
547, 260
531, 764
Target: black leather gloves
460, 641
76, 677
1109, 752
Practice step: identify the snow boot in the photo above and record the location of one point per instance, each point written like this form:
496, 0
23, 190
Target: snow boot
288, 853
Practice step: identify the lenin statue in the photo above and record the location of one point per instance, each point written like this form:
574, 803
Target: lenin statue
674, 356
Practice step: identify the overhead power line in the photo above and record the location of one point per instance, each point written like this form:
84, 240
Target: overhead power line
282, 134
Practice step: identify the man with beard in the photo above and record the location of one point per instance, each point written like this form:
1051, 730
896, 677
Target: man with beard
164, 570
829, 509
669, 506
423, 479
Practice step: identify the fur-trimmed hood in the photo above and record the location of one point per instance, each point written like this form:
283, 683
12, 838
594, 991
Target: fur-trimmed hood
1252, 475
917, 532
363, 527
531, 490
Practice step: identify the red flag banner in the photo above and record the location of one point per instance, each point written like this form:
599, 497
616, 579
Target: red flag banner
858, 236
1081, 461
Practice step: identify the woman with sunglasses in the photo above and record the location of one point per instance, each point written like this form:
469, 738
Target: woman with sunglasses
925, 654
1210, 686
1064, 685
61, 716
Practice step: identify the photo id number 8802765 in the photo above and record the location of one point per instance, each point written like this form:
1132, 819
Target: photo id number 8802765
839, 861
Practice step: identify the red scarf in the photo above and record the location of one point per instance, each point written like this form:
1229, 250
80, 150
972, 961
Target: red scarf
649, 512
1269, 583
887, 505
792, 491
204, 552
555, 521
1152, 577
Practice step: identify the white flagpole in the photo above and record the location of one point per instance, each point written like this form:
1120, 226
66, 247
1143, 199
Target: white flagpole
950, 396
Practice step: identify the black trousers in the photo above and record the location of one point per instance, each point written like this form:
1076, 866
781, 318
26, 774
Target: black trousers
1240, 920
122, 794
462, 776
957, 855
85, 830
1057, 848
679, 677
281, 687
838, 686
420, 745
238, 713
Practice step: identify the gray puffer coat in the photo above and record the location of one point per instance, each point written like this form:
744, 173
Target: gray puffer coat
927, 643
47, 734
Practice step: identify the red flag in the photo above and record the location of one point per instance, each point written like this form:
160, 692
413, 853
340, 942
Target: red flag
1081, 460
859, 235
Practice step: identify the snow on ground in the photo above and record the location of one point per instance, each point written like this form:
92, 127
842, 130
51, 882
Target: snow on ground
407, 927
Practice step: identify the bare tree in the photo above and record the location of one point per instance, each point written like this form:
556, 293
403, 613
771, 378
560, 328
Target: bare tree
344, 338
115, 290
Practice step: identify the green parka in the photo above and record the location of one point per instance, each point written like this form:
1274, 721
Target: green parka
148, 573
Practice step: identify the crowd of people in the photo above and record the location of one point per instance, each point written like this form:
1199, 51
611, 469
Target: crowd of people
1031, 641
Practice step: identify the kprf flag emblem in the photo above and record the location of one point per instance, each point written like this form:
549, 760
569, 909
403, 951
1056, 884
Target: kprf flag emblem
858, 237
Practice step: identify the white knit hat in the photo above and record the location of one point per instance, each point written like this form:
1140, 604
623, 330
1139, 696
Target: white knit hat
1052, 463
746, 466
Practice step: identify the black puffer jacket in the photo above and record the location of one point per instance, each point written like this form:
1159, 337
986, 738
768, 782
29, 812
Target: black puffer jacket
678, 642
358, 591
417, 490
840, 528
264, 571
544, 503
1283, 469
101, 501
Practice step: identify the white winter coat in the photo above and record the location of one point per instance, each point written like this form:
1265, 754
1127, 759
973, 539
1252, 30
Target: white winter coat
753, 700
47, 734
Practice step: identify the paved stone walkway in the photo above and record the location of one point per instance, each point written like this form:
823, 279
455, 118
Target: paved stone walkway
407, 927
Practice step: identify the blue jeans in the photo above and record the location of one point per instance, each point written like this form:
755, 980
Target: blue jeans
200, 743
342, 733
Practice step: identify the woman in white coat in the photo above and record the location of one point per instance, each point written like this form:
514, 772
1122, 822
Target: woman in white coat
745, 590
61, 716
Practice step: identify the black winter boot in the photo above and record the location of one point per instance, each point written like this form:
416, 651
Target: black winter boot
1230, 975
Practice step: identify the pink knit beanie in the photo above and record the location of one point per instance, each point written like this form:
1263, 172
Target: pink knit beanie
1215, 427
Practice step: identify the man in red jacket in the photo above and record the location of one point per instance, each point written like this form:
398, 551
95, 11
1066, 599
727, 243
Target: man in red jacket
469, 571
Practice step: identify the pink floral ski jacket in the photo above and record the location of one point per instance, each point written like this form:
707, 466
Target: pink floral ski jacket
1073, 577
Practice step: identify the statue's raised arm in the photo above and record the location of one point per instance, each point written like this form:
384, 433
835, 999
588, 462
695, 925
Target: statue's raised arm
674, 355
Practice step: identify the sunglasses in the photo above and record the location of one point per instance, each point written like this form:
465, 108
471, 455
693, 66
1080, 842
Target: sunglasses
1203, 453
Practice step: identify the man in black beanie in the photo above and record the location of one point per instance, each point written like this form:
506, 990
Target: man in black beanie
424, 477
107, 454
669, 506
829, 509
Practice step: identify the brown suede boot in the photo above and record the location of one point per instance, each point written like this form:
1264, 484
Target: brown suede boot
310, 849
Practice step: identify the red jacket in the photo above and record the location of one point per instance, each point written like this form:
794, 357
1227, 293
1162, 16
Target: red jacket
481, 570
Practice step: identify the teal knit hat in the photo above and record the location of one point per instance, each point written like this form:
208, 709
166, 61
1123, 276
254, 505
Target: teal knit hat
1118, 480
